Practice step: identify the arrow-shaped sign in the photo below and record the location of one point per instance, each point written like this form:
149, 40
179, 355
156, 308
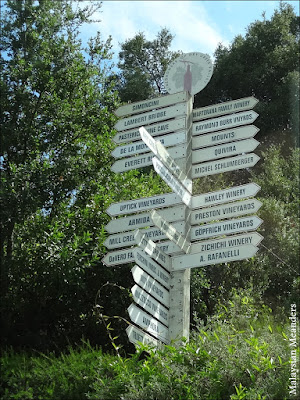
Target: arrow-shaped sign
143, 204
144, 160
149, 304
228, 210
228, 135
226, 107
160, 128
224, 165
165, 157
226, 227
213, 257
141, 147
137, 336
226, 242
223, 196
170, 180
150, 285
147, 105
126, 239
150, 324
142, 220
126, 256
150, 117
153, 250
228, 121
224, 150
170, 231
151, 267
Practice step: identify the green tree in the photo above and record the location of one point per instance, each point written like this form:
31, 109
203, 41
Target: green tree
57, 122
143, 64
265, 64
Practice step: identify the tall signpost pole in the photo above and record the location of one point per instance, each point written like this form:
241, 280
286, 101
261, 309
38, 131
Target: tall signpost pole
179, 321
182, 144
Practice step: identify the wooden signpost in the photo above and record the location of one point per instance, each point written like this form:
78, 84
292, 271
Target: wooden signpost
168, 234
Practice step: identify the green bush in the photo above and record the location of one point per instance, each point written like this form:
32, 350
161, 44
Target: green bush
240, 353
47, 377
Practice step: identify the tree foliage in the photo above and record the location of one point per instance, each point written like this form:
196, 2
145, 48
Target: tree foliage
57, 123
143, 64
265, 64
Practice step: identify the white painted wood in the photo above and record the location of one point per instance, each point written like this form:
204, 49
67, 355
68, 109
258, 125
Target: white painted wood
139, 147
142, 220
153, 250
170, 180
226, 242
224, 165
125, 256
213, 257
165, 157
226, 195
126, 239
143, 204
170, 231
137, 336
228, 121
226, 107
151, 267
224, 150
147, 322
178, 110
226, 227
150, 305
150, 104
151, 286
179, 325
144, 160
228, 210
224, 136
160, 128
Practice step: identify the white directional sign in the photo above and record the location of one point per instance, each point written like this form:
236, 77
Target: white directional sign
224, 165
140, 147
213, 257
170, 231
151, 117
150, 285
143, 204
137, 336
160, 128
141, 220
165, 157
228, 210
228, 121
170, 180
126, 255
153, 250
144, 160
149, 304
126, 239
225, 136
226, 242
150, 324
224, 150
223, 196
224, 228
151, 267
226, 107
147, 105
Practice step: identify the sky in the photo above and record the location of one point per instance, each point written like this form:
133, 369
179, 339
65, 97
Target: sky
198, 25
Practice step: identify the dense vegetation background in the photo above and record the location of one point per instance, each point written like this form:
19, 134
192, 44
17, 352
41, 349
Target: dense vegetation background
57, 103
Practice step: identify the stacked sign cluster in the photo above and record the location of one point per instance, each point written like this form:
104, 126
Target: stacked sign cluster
178, 230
